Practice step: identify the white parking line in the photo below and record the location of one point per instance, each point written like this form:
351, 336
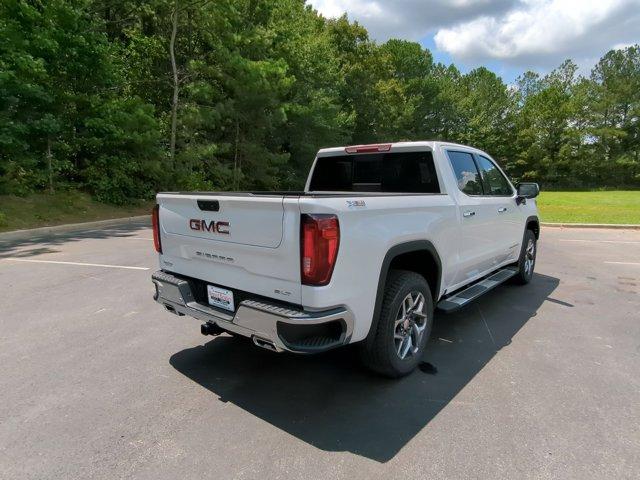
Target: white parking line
623, 263
74, 263
596, 241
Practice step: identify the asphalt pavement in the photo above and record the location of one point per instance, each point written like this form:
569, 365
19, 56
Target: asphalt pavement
98, 381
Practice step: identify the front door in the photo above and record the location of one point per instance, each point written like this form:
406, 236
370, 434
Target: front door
478, 217
501, 196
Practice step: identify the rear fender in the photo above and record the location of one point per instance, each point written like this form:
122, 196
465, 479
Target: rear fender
395, 251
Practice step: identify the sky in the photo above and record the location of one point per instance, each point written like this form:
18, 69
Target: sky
506, 36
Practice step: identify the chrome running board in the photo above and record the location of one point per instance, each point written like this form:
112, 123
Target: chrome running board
470, 293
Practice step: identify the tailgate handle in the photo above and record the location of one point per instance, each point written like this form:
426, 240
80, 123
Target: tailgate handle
209, 205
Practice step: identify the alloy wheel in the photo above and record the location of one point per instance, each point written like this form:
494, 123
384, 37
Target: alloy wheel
529, 257
410, 324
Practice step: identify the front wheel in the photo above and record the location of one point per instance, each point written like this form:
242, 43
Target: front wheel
527, 260
396, 346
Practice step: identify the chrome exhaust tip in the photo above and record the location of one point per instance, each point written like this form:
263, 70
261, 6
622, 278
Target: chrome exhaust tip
261, 342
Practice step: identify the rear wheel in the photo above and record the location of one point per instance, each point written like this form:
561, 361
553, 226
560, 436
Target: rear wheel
527, 261
403, 328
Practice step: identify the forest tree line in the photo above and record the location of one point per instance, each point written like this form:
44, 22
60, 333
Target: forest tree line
124, 98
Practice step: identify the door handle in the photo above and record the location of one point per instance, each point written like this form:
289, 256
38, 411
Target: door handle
469, 213
502, 209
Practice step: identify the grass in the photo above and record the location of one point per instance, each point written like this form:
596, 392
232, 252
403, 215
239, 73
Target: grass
42, 209
590, 207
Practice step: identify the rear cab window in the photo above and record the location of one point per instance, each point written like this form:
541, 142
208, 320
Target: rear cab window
390, 172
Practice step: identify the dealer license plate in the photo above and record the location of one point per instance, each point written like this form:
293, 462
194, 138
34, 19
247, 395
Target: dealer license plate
220, 297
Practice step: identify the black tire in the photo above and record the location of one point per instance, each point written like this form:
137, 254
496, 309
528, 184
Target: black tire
527, 260
380, 351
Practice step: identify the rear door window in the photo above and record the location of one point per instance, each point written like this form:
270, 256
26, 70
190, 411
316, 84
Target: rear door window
393, 172
466, 171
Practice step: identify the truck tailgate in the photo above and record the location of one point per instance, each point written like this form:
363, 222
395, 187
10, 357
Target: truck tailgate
244, 242
245, 220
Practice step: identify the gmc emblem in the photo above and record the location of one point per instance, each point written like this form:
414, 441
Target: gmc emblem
212, 226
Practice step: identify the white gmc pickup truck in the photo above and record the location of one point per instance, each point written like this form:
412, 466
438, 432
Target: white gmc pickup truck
381, 235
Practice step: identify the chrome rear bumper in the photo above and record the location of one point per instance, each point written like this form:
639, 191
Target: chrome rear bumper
265, 323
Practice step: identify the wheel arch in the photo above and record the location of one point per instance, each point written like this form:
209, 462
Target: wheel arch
400, 256
533, 224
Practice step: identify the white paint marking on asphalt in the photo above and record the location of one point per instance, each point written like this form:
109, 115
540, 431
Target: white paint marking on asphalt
100, 311
75, 263
487, 325
597, 241
623, 263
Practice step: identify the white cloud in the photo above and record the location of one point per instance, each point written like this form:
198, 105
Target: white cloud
409, 19
513, 33
544, 32
622, 46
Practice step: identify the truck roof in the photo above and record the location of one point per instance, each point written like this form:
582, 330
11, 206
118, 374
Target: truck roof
388, 146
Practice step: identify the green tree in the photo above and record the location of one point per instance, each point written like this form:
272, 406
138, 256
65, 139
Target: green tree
58, 76
53, 64
613, 110
544, 125
125, 97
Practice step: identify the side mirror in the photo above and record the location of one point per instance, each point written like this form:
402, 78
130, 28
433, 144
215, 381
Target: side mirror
527, 190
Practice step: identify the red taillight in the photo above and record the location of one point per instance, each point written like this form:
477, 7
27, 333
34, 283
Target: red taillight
377, 147
319, 241
155, 221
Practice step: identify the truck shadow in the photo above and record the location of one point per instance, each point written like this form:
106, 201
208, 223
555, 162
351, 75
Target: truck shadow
331, 402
